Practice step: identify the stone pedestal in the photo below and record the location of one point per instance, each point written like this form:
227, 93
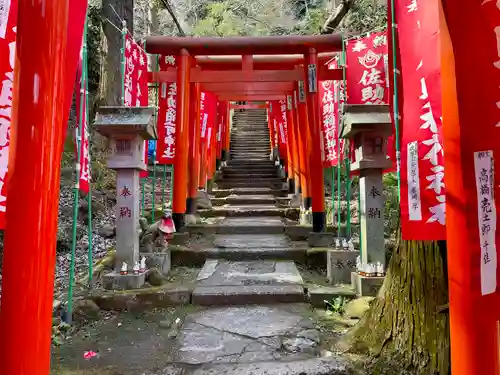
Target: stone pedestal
127, 217
340, 264
127, 128
161, 261
366, 286
372, 216
320, 239
115, 281
368, 127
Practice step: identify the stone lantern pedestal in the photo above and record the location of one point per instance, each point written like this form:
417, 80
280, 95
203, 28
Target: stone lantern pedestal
368, 127
127, 128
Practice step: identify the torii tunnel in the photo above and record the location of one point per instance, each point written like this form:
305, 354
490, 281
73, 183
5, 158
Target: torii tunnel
252, 69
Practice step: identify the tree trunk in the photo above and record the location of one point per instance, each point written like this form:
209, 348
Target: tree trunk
112, 24
406, 327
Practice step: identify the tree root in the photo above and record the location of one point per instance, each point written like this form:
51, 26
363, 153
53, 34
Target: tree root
404, 325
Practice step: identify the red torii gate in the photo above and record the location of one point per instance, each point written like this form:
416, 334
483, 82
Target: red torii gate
252, 78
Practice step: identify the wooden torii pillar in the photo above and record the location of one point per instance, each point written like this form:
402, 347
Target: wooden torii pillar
243, 79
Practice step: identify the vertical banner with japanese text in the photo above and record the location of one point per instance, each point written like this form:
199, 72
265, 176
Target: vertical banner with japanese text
282, 130
367, 75
477, 80
136, 81
366, 71
8, 22
423, 200
167, 114
83, 130
329, 121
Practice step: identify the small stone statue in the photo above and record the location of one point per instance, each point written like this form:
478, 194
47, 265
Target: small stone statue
136, 268
358, 263
142, 267
345, 245
379, 269
350, 245
337, 243
124, 269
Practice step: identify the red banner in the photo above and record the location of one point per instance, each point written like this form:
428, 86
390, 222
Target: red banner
136, 81
8, 21
366, 70
221, 123
367, 75
208, 114
282, 130
167, 103
423, 210
329, 122
82, 131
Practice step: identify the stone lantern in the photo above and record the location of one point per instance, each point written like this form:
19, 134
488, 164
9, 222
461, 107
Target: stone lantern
368, 128
127, 128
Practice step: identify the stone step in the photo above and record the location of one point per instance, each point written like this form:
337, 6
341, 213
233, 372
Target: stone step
235, 183
254, 181
245, 200
250, 147
223, 282
254, 241
197, 258
250, 153
235, 228
227, 176
311, 366
243, 211
317, 295
250, 167
221, 193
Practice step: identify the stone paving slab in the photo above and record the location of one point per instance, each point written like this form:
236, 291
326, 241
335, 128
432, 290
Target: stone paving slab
226, 273
247, 335
253, 241
222, 282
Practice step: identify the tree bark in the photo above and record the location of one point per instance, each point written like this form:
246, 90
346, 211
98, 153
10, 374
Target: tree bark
336, 17
406, 327
112, 24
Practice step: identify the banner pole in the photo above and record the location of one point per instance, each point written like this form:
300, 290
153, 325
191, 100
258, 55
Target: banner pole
124, 36
396, 94
163, 187
89, 196
332, 169
348, 194
76, 191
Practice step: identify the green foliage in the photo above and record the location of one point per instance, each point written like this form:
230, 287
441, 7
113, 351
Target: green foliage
392, 207
220, 20
336, 305
263, 17
365, 16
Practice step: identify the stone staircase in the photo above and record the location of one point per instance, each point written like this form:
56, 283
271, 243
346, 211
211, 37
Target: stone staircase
257, 321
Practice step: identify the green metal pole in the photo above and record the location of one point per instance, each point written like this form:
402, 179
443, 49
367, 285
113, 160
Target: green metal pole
348, 194
332, 169
76, 198
163, 187
89, 196
153, 198
124, 37
143, 196
396, 95
172, 186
